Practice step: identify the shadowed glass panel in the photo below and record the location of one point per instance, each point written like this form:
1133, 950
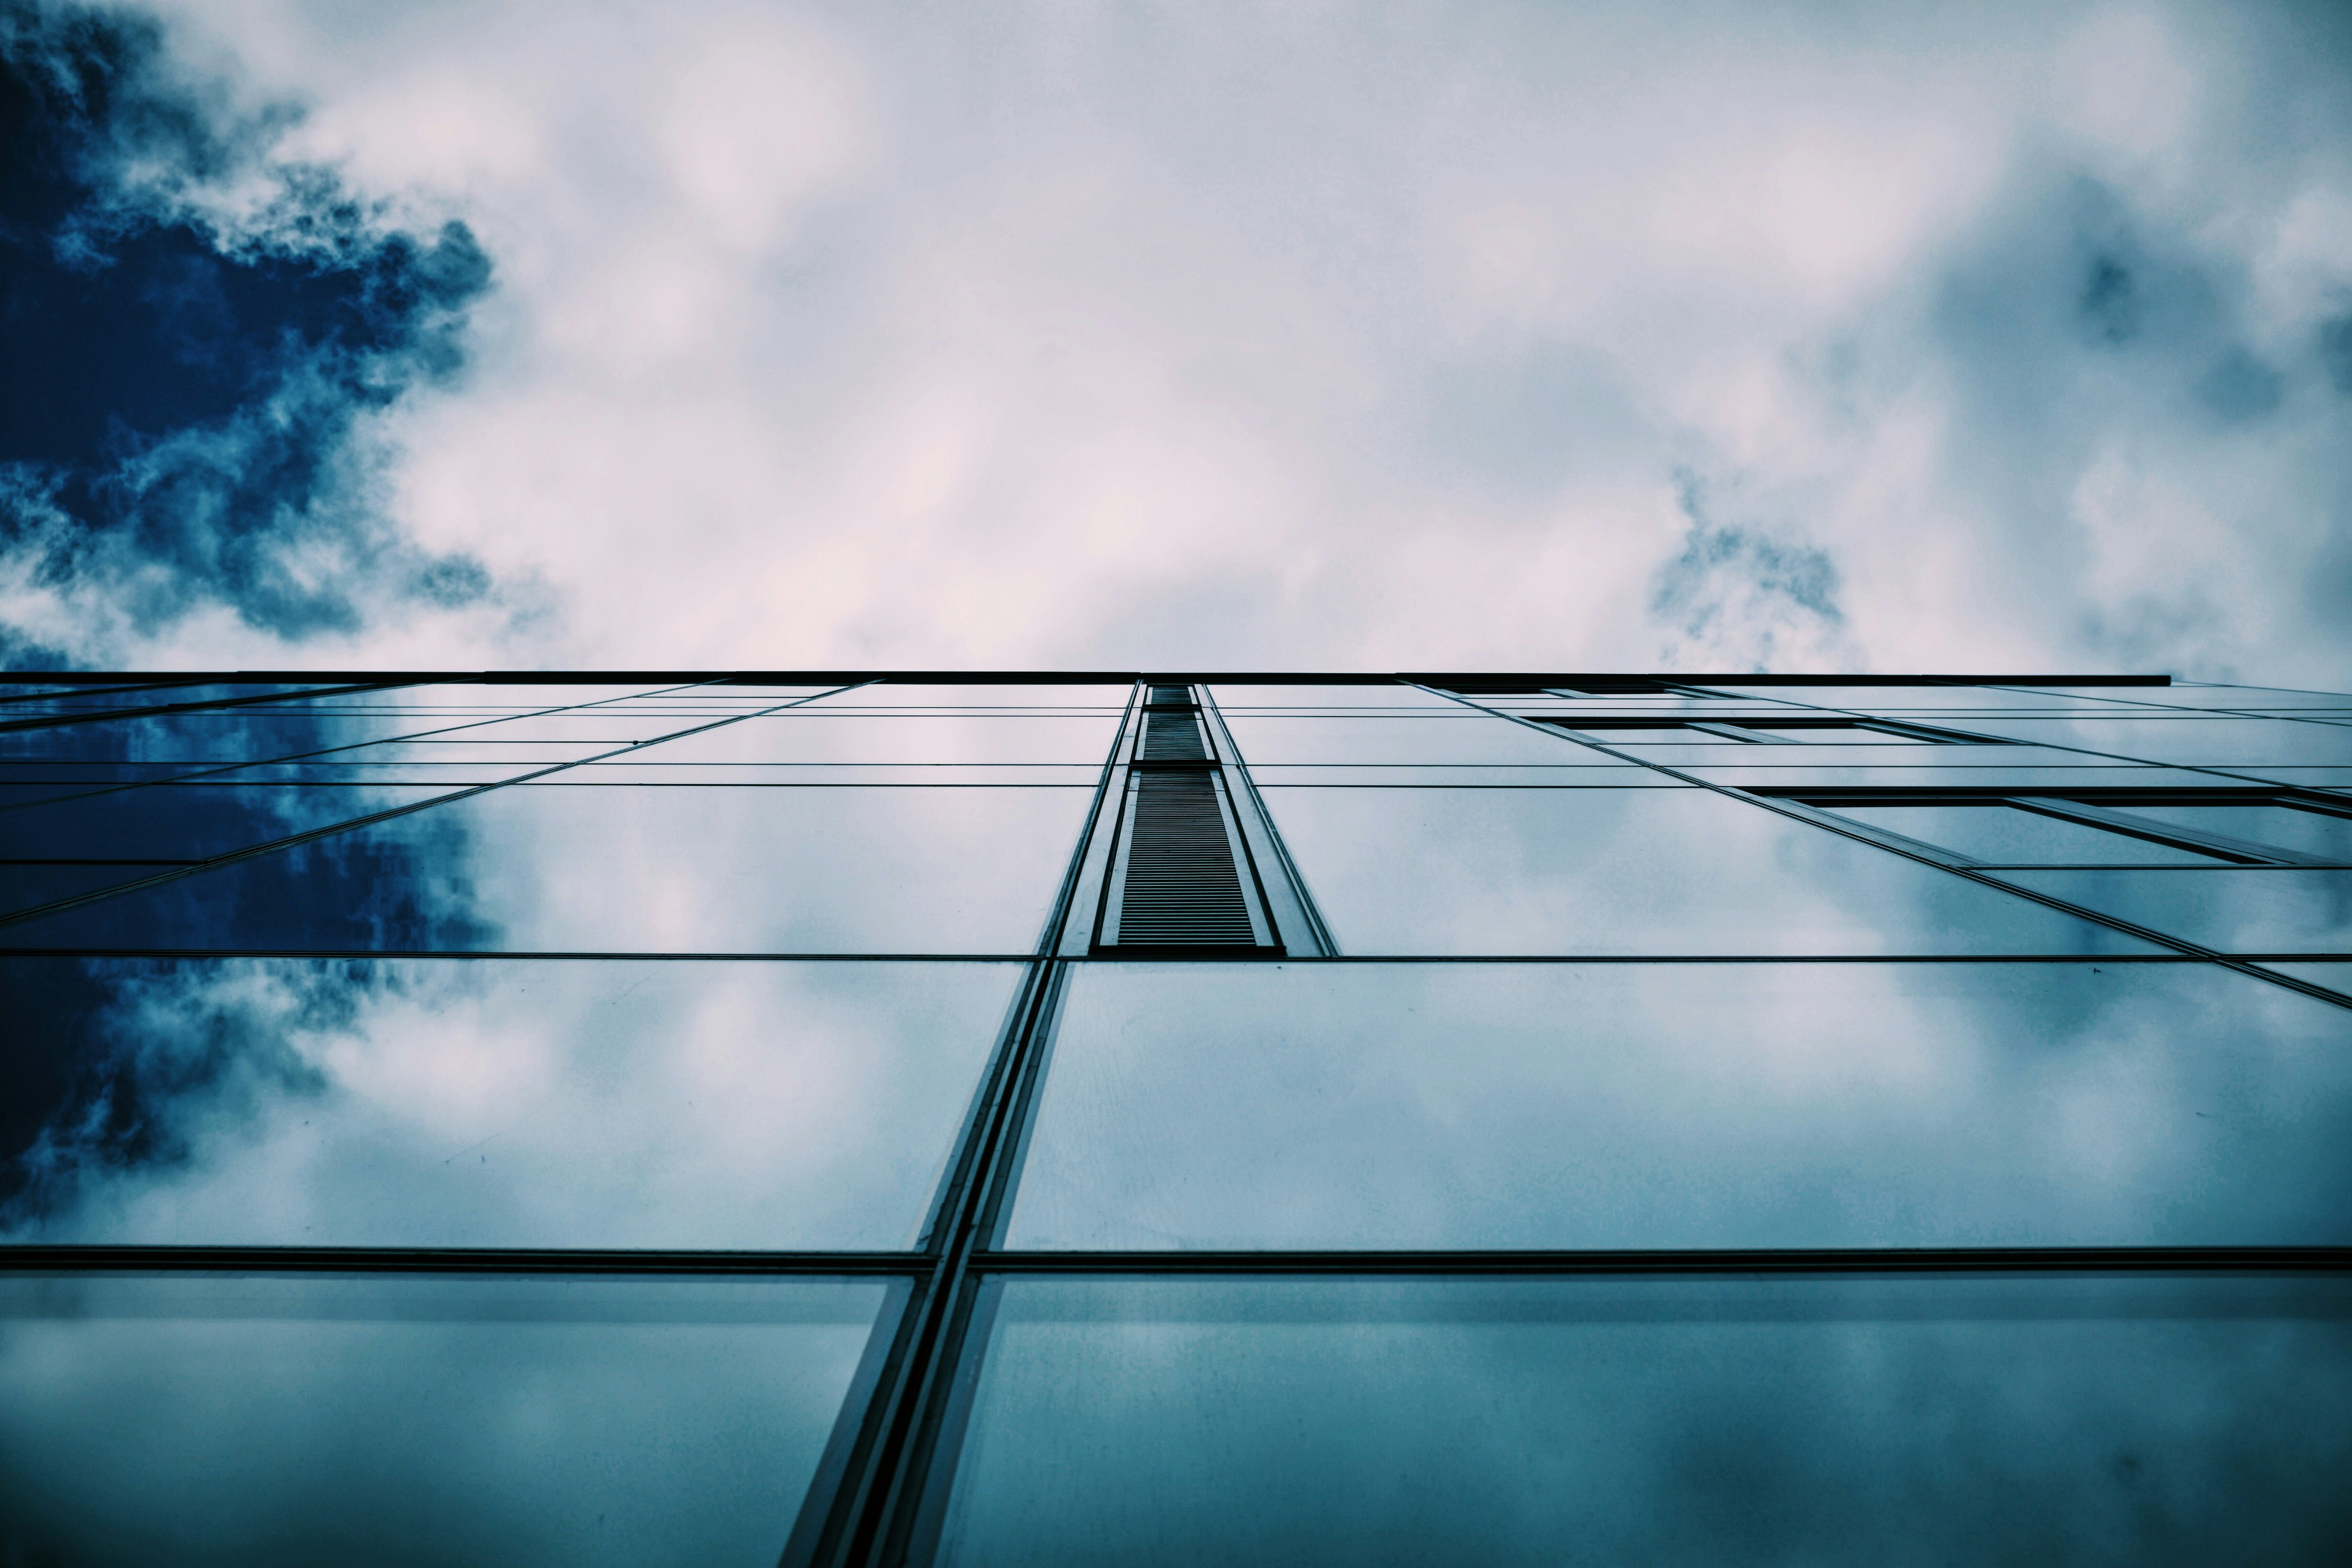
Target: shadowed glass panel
198, 740
1634, 872
258, 1419
642, 870
1822, 1421
1441, 1106
496, 1103
186, 822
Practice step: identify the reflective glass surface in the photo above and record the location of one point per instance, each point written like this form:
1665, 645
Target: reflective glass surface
1598, 772
812, 735
1978, 764
633, 869
392, 1102
2335, 976
1841, 735
1790, 1105
2254, 699
186, 822
1818, 1421
2283, 826
2004, 835
494, 1149
957, 697
1978, 699
1435, 740
241, 1420
1240, 697
1634, 872
2235, 911
2014, 778
2223, 743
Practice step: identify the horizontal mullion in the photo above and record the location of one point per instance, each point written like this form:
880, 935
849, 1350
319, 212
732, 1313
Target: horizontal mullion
449, 1260
1729, 1261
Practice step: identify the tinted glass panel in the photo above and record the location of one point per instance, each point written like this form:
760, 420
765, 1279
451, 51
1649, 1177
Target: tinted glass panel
1237, 698
1844, 735
1651, 735
1982, 699
633, 869
424, 1103
259, 1419
2001, 834
1436, 738
2256, 698
1430, 1106
186, 822
1634, 871
2234, 910
2304, 832
1816, 1421
2214, 743
809, 735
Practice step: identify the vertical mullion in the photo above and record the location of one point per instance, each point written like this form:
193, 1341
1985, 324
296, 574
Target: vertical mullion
1252, 816
871, 1516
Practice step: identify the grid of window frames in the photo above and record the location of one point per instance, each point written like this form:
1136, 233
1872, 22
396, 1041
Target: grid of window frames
852, 1119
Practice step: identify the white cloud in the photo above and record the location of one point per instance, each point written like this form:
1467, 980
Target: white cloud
1104, 335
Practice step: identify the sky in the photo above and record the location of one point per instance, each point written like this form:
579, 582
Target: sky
1484, 335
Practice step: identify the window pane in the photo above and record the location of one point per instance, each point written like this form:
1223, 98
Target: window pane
632, 870
2234, 910
496, 1103
1400, 739
186, 822
257, 1419
1978, 699
1634, 871
2305, 832
1652, 735
953, 696
1237, 696
1822, 1421
808, 735
2255, 697
2214, 743
1843, 735
2002, 835
1432, 1106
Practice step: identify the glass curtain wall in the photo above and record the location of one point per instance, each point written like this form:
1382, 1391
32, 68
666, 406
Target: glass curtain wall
878, 1120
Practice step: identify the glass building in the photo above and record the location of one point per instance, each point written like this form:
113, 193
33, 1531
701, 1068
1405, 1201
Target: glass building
1113, 1118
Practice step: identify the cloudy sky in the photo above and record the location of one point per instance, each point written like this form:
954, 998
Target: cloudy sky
1411, 335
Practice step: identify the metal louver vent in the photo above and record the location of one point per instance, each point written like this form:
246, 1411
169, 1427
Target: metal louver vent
1181, 888
1173, 738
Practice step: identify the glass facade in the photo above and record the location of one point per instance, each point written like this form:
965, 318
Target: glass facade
879, 1118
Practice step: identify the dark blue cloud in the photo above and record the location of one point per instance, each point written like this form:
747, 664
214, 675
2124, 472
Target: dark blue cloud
181, 418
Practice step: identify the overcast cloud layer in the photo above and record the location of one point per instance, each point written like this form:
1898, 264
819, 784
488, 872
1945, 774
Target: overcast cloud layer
1484, 334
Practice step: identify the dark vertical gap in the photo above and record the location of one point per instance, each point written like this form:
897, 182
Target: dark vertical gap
1182, 888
